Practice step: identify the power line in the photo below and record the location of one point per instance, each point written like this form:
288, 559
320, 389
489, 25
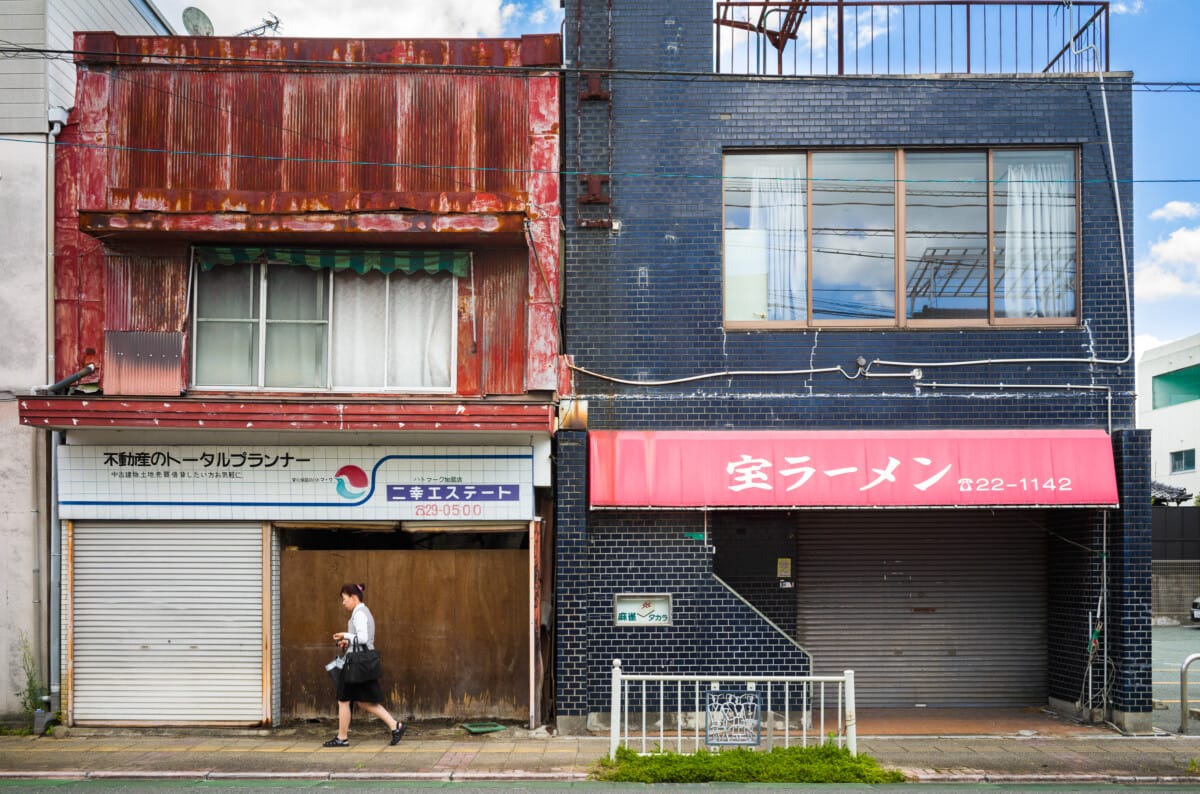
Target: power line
573, 173
948, 81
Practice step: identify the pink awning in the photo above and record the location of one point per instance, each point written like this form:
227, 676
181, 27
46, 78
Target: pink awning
827, 468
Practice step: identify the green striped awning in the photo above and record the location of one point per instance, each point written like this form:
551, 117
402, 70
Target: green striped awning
360, 261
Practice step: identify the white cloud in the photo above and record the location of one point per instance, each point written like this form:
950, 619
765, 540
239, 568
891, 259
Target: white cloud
372, 19
1172, 268
1126, 7
1174, 210
1144, 342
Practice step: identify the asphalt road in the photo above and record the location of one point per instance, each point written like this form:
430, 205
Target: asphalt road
587, 787
1173, 644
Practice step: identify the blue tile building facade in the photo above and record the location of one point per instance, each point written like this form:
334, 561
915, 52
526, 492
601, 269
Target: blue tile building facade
644, 318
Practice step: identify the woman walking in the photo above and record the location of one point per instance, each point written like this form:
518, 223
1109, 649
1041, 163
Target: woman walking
360, 630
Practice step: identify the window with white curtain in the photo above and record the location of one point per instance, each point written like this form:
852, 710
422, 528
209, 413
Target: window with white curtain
894, 237
269, 325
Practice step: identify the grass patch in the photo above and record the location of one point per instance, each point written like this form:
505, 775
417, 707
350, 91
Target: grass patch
825, 763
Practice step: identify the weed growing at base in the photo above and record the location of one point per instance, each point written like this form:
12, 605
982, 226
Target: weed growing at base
817, 764
30, 696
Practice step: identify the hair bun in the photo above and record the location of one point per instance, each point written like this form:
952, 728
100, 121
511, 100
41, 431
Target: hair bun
362, 588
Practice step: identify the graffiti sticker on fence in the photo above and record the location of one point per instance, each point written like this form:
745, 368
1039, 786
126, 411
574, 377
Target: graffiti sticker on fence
732, 718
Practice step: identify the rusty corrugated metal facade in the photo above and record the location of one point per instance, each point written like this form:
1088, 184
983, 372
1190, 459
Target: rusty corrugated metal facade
176, 142
316, 137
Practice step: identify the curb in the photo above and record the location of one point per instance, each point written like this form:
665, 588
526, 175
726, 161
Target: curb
924, 776
202, 775
1105, 779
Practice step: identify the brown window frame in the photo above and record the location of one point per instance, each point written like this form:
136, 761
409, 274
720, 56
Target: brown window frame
900, 318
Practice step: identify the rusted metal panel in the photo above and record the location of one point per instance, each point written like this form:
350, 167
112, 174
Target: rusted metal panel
400, 229
145, 293
367, 132
253, 136
198, 127
143, 363
95, 141
79, 263
225, 412
326, 133
290, 202
470, 358
103, 47
545, 288
500, 281
257, 141
142, 129
541, 49
309, 152
66, 251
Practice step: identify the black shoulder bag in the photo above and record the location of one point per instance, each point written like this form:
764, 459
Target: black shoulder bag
362, 664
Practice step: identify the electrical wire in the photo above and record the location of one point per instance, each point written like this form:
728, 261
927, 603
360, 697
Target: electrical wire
943, 81
559, 172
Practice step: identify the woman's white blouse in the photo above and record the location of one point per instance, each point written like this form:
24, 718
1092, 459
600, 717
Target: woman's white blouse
361, 626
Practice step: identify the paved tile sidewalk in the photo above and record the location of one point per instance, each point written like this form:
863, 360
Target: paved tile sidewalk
516, 754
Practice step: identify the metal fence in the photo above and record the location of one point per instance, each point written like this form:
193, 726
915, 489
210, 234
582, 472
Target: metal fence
861, 37
655, 713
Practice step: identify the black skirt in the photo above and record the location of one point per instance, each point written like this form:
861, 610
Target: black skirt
362, 692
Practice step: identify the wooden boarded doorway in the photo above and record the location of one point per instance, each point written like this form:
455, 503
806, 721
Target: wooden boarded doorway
452, 627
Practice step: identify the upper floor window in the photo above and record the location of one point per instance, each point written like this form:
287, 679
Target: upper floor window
1183, 460
901, 238
321, 320
1175, 388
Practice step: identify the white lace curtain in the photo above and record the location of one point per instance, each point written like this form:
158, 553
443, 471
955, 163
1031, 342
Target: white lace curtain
1039, 241
778, 207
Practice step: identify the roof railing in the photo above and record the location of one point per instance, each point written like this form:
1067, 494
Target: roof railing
904, 37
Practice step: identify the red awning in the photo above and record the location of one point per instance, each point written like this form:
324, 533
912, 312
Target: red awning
825, 468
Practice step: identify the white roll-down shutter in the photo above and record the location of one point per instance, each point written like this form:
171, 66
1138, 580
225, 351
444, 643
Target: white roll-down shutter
167, 623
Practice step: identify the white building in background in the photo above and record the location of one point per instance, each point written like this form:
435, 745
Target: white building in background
38, 92
1169, 406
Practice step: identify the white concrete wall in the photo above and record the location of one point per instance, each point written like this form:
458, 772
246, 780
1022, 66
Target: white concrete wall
1176, 427
29, 87
22, 366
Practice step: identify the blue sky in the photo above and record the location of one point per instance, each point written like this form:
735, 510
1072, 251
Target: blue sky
1155, 39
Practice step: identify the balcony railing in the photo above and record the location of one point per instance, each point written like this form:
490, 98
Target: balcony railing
859, 37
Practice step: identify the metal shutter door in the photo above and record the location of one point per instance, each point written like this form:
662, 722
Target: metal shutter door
167, 623
936, 608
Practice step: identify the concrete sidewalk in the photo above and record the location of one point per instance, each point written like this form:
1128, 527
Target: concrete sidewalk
448, 753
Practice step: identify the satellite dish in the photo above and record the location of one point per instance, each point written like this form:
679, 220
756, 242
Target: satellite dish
196, 22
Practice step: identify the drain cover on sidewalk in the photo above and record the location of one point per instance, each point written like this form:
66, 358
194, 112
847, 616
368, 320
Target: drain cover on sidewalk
482, 727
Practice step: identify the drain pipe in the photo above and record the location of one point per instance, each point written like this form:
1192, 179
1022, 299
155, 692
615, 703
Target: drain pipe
55, 605
1105, 705
56, 117
74, 377
54, 608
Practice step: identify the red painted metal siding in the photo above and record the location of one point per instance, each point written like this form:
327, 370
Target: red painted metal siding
79, 269
501, 284
261, 142
146, 293
314, 134
225, 413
